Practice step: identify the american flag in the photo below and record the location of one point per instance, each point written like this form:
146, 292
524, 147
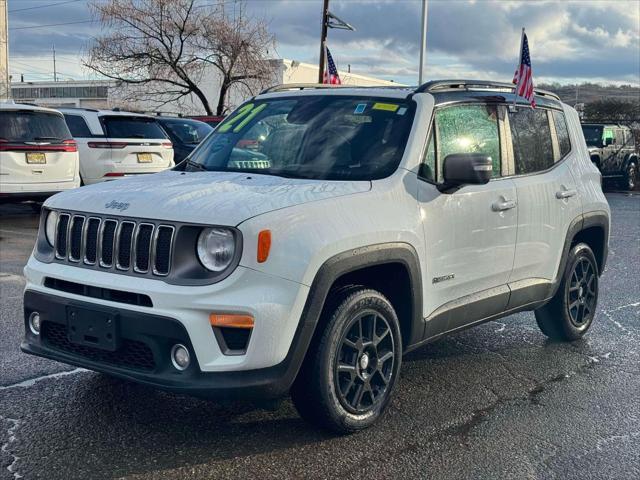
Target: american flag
331, 73
523, 78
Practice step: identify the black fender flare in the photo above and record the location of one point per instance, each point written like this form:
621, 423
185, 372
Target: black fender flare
597, 218
330, 271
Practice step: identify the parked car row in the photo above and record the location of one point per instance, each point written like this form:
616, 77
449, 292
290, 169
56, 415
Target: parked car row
45, 151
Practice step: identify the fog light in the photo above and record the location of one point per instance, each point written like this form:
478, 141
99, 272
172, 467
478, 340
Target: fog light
180, 357
34, 323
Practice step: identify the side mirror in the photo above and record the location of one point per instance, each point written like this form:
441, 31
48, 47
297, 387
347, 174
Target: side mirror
466, 169
608, 141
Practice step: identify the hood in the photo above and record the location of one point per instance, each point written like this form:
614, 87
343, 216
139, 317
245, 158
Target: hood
222, 198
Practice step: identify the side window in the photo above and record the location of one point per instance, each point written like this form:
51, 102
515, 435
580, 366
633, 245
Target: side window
629, 139
428, 170
562, 132
468, 129
531, 138
607, 137
619, 137
77, 126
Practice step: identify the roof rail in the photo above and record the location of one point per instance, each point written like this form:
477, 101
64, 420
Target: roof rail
302, 86
437, 85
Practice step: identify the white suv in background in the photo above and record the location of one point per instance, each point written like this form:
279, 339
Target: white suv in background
316, 236
38, 156
116, 144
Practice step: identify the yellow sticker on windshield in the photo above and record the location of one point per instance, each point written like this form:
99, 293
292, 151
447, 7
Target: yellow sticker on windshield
389, 107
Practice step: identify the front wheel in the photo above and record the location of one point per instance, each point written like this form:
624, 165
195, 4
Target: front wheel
570, 312
349, 373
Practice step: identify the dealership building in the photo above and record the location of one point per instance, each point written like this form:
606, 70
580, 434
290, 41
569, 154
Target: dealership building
107, 94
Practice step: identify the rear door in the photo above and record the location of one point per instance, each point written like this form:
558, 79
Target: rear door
137, 143
36, 147
548, 197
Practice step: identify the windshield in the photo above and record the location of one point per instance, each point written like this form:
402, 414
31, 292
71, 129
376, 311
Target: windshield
132, 127
186, 131
592, 135
32, 126
329, 137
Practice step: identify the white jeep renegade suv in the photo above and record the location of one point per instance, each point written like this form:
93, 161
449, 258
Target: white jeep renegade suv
316, 236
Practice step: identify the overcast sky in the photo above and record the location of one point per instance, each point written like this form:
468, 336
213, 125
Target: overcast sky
569, 40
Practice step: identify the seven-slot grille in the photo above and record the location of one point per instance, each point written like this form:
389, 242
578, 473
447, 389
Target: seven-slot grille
106, 243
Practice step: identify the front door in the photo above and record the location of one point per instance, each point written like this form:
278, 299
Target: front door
471, 233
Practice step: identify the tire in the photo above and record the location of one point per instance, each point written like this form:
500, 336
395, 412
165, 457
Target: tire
630, 176
348, 375
570, 312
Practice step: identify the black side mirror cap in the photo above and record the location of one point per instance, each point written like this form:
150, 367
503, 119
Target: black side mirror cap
466, 169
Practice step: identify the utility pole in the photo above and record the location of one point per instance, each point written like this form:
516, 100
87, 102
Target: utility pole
323, 39
5, 84
423, 43
55, 74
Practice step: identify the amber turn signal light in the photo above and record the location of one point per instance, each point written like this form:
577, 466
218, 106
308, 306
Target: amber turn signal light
264, 245
230, 320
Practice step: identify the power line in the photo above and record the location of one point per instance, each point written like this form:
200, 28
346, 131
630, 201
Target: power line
44, 6
50, 25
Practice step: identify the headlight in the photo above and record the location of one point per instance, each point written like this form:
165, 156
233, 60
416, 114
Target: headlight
216, 248
50, 227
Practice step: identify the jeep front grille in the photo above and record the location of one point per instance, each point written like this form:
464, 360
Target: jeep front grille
114, 244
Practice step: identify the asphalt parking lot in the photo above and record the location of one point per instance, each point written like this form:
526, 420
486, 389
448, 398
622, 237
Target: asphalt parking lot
497, 401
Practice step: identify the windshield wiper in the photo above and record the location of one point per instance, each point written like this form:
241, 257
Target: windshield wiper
197, 166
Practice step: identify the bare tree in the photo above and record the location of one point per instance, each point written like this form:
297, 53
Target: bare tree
237, 47
164, 48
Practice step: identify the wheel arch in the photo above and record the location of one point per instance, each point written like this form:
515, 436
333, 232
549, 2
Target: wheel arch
591, 228
391, 268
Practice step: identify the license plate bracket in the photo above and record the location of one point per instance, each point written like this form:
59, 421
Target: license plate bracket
145, 158
93, 328
36, 158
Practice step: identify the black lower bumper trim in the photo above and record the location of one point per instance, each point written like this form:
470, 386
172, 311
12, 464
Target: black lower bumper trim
159, 334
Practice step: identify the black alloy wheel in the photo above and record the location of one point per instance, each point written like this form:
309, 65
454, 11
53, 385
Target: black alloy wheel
582, 292
364, 363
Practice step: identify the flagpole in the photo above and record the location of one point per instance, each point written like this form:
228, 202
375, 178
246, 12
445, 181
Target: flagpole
515, 91
323, 40
423, 42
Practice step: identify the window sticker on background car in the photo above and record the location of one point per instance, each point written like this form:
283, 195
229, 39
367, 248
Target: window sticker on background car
360, 108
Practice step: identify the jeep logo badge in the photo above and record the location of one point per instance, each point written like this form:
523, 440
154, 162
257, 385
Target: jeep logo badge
122, 206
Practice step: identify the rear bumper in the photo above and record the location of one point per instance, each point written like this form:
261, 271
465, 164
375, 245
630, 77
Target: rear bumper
144, 354
33, 191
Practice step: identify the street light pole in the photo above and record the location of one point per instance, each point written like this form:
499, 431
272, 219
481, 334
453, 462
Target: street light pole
323, 39
423, 43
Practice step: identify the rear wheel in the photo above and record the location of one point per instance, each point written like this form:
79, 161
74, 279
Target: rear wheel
630, 176
349, 373
570, 312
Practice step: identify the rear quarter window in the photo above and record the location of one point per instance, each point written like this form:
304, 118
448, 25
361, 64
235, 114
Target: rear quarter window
562, 133
132, 127
30, 125
78, 126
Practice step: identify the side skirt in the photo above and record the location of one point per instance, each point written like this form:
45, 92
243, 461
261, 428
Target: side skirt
486, 306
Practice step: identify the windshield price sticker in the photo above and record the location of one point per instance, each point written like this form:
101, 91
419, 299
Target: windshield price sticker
388, 107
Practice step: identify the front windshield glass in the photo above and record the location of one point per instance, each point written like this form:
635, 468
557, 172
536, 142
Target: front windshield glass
330, 137
593, 135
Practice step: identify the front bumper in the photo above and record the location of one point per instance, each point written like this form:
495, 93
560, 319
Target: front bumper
144, 353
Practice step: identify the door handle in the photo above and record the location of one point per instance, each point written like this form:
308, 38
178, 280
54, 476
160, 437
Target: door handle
562, 194
503, 205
